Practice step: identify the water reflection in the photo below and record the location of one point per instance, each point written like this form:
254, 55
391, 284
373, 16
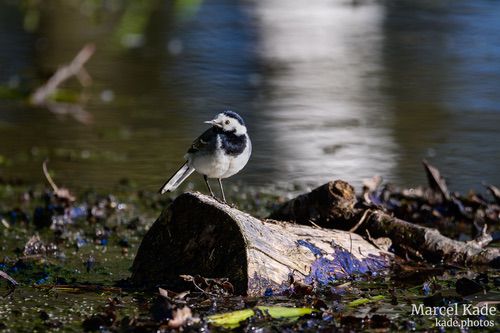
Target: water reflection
324, 106
440, 76
330, 89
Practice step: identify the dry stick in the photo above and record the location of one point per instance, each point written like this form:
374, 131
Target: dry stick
483, 239
62, 193
79, 288
75, 68
48, 177
75, 110
8, 278
383, 243
189, 278
361, 220
314, 224
31, 257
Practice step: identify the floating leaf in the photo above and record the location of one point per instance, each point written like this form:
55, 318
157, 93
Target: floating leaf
233, 319
362, 301
285, 312
230, 319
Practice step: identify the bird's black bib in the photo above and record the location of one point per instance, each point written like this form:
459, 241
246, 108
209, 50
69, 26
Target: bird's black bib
233, 144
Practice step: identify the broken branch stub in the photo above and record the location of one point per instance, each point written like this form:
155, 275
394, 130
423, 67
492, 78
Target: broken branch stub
197, 235
330, 205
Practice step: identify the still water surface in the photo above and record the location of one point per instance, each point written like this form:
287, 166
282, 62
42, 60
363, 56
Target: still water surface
329, 89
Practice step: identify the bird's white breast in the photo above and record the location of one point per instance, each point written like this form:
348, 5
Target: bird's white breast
220, 164
236, 163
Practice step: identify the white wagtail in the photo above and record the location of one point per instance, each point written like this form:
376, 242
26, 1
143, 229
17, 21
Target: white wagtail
220, 152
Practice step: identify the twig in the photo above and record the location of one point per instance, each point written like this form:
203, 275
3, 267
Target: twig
61, 193
55, 188
8, 278
483, 239
190, 278
361, 220
382, 243
350, 243
75, 68
75, 110
79, 288
314, 224
32, 256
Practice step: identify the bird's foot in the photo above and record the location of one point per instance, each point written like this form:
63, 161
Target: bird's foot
219, 200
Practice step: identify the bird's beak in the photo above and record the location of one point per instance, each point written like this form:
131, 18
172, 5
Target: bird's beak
213, 122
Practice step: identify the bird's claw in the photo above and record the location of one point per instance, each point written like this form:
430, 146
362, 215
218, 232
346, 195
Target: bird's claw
219, 200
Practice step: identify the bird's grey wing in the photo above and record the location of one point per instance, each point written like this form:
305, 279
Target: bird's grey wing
205, 142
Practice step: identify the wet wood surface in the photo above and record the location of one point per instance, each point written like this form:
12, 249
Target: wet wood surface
197, 235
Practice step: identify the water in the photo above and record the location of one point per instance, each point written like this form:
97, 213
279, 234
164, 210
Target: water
329, 89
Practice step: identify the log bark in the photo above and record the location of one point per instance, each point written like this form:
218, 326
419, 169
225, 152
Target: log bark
332, 206
198, 235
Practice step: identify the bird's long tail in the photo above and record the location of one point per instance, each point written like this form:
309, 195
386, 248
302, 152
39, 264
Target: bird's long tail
177, 178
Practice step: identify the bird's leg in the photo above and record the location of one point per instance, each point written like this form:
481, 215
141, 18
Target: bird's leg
208, 185
222, 190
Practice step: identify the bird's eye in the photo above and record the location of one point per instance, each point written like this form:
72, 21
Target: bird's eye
226, 122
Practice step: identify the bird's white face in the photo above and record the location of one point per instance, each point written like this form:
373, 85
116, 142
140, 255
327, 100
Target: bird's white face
228, 124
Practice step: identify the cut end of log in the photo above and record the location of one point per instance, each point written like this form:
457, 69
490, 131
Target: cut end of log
195, 237
198, 235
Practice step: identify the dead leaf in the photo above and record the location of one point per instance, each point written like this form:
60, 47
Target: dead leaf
180, 317
372, 184
495, 192
169, 294
436, 181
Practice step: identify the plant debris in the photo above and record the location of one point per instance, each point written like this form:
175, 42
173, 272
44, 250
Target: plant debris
64, 266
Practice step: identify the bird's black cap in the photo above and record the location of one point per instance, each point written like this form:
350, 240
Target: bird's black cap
234, 115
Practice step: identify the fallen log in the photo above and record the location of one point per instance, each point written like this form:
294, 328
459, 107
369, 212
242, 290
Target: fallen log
197, 235
428, 242
332, 205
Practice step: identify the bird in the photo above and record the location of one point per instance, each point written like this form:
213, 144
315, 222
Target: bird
220, 152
